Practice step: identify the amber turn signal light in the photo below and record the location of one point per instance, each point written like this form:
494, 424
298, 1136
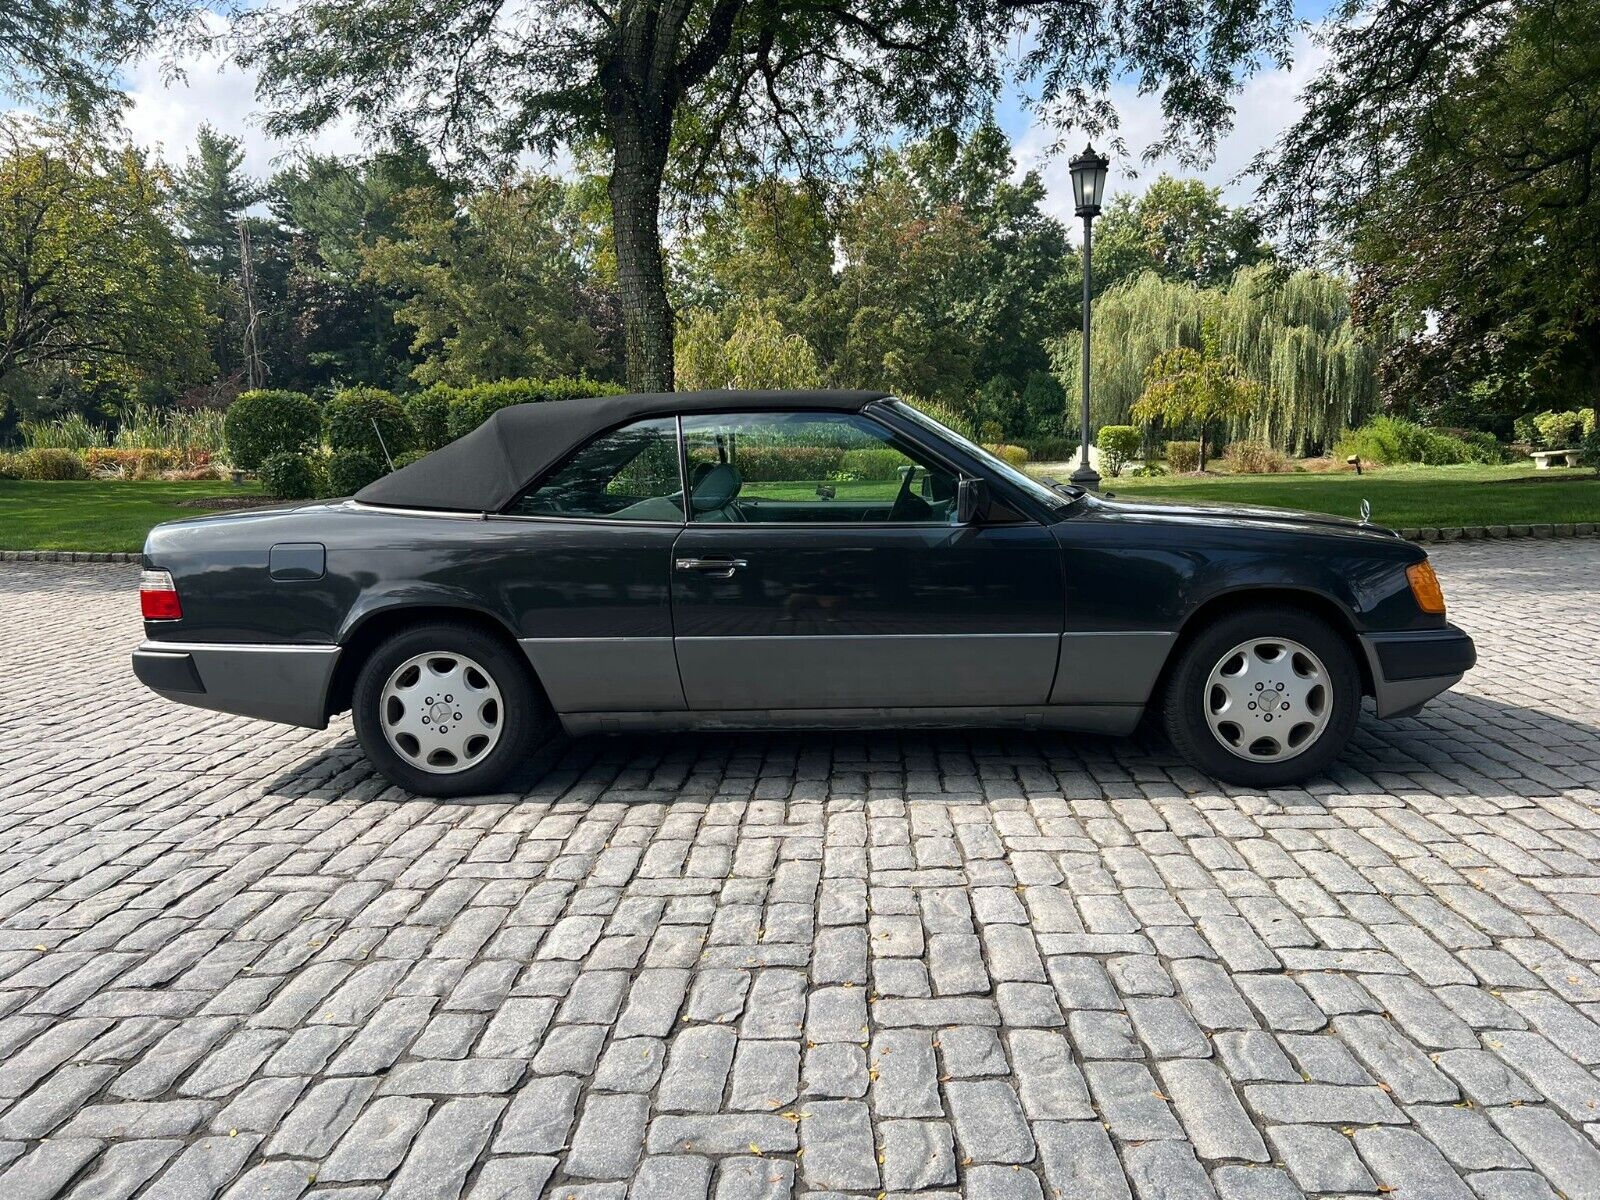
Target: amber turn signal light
1425, 587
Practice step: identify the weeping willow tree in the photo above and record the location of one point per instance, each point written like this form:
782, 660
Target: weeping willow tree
1293, 336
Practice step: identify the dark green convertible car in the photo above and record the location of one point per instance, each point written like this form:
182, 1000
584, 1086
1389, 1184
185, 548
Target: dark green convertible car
748, 560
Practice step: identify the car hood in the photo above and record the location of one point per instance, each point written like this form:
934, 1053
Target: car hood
1231, 514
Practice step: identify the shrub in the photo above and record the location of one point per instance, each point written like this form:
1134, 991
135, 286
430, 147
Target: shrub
1117, 444
262, 423
1183, 457
429, 412
1442, 450
355, 417
409, 457
1051, 449
348, 471
1015, 456
10, 465
134, 464
874, 466
49, 463
290, 476
1256, 458
1386, 440
1589, 452
773, 463
1483, 447
470, 406
1559, 430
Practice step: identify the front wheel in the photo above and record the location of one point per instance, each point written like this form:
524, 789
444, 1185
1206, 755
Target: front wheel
446, 710
1263, 697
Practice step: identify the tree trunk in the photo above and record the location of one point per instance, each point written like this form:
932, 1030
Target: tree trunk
637, 166
1202, 467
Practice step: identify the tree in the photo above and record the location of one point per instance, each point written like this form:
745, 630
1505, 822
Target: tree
757, 353
1453, 149
68, 50
1185, 386
718, 90
1180, 229
92, 280
1293, 334
211, 194
494, 289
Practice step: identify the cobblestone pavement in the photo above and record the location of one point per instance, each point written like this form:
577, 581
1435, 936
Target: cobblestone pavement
233, 962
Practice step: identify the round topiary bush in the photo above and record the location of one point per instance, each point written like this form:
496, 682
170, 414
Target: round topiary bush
262, 423
356, 416
290, 476
349, 471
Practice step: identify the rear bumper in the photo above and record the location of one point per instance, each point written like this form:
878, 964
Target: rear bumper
1409, 669
288, 684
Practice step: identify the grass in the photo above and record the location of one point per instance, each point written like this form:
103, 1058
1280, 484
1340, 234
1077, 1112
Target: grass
97, 515
1402, 497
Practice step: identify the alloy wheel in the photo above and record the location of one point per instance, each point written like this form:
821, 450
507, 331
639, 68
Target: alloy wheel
441, 712
1268, 699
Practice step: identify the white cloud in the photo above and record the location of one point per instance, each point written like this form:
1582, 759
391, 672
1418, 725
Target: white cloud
166, 114
1264, 107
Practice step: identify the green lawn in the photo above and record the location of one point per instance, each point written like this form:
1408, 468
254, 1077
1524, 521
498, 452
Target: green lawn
99, 515
1402, 497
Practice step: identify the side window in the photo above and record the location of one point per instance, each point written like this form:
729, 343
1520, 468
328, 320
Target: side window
629, 474
838, 468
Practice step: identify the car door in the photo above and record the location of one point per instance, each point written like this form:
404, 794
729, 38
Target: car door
584, 565
823, 567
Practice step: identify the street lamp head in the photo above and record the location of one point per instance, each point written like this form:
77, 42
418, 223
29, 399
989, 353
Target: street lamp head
1089, 181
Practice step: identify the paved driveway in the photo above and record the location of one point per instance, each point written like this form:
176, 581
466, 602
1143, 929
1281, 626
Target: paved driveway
233, 962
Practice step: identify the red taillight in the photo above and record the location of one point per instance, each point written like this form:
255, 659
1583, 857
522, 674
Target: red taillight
158, 597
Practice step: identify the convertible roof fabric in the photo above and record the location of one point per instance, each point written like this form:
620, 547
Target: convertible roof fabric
483, 471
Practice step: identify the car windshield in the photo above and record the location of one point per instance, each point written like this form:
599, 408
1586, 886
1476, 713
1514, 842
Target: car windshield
1026, 483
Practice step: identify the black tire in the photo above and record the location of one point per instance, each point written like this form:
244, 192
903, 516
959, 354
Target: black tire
525, 718
1183, 710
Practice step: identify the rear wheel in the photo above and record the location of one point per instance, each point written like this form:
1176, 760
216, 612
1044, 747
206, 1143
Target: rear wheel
446, 710
1263, 697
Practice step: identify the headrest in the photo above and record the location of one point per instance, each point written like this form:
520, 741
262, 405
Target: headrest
717, 489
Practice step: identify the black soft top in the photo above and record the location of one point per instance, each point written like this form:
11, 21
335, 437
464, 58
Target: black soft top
483, 471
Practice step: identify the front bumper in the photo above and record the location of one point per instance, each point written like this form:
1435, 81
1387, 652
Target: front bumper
288, 684
1409, 669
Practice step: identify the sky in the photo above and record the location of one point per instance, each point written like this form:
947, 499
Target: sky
166, 115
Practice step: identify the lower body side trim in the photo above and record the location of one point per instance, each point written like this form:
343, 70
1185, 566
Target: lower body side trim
1114, 719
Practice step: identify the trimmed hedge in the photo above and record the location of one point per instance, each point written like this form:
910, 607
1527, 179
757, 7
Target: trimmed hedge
429, 411
355, 417
260, 424
42, 464
291, 477
1016, 456
349, 471
470, 407
872, 466
774, 463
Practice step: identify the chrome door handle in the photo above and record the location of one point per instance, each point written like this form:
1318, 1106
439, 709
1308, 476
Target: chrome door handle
717, 568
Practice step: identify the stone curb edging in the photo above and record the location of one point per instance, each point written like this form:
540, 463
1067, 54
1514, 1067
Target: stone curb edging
69, 556
1470, 533
1457, 533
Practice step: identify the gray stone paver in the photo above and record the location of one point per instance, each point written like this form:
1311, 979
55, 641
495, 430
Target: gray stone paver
234, 962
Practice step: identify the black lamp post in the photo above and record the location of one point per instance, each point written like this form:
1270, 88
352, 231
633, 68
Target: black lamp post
1088, 191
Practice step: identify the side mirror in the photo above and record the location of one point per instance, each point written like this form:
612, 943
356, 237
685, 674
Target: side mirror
972, 497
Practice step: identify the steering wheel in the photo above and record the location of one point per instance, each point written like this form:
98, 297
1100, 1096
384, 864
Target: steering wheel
907, 505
